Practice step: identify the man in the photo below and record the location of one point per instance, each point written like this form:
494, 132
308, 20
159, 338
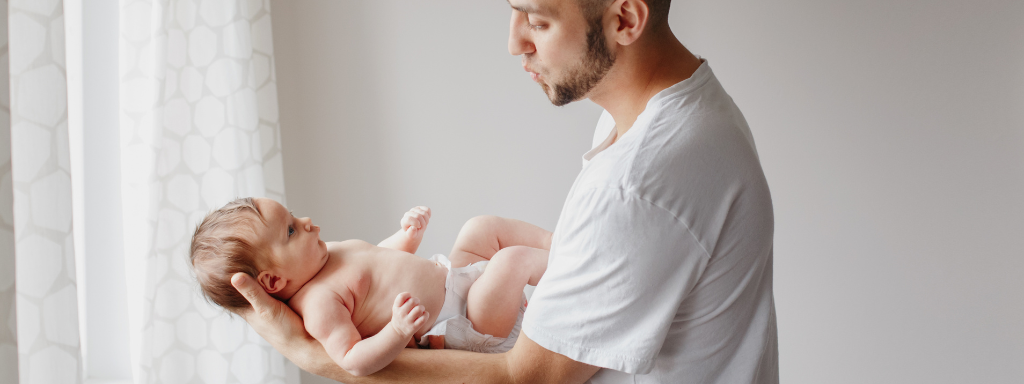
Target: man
660, 268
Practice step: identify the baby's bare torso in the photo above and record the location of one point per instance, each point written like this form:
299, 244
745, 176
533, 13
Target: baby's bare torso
367, 278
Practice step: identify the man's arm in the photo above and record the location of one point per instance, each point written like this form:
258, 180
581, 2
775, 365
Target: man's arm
527, 362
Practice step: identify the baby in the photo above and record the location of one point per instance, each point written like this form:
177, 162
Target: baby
366, 303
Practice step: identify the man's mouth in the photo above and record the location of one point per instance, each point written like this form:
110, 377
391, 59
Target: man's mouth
533, 75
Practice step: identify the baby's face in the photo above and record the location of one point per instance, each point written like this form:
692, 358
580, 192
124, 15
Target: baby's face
294, 244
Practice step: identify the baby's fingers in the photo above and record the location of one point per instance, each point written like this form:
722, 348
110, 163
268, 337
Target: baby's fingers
412, 219
401, 299
408, 306
421, 320
415, 312
424, 212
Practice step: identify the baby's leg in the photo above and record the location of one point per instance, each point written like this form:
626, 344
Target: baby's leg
495, 298
482, 236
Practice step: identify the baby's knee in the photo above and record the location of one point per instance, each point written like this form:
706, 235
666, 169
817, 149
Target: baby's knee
514, 256
482, 224
513, 252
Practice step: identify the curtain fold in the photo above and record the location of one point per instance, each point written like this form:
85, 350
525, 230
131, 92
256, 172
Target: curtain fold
199, 127
8, 314
35, 192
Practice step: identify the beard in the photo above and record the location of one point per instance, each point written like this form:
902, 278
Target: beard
585, 75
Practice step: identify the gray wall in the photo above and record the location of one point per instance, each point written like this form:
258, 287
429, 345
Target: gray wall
891, 133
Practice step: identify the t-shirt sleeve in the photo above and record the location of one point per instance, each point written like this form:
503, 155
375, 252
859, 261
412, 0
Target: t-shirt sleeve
617, 273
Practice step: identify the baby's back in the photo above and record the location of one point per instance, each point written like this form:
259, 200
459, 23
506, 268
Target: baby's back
366, 279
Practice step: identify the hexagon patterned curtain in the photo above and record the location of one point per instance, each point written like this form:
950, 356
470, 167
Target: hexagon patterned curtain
38, 301
199, 128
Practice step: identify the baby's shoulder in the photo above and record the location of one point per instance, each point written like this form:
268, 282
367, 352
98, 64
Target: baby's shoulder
318, 294
353, 245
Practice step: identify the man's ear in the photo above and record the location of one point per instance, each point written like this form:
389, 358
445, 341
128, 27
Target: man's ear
628, 18
271, 282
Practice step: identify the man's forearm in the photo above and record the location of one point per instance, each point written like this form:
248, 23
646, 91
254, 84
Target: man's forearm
444, 366
411, 366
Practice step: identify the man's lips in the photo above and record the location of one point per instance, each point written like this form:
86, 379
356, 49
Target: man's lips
533, 75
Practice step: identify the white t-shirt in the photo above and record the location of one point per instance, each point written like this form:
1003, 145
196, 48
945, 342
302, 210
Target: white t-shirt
661, 263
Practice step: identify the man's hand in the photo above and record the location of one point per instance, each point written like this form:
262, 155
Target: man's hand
407, 315
274, 320
527, 362
415, 221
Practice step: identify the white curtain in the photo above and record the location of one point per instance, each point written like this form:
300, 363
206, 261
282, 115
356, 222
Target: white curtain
199, 127
38, 302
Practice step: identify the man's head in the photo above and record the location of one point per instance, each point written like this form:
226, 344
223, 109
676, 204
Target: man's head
565, 44
260, 238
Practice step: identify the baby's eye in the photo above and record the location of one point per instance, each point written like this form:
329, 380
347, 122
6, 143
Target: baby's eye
291, 230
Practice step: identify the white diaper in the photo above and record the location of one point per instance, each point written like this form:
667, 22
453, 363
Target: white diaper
452, 322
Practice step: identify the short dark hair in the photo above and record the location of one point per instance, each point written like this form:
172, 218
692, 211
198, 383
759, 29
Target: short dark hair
223, 246
594, 9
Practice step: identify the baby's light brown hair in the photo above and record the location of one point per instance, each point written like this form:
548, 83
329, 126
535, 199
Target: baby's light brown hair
223, 245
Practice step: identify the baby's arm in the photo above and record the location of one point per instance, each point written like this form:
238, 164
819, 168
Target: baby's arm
412, 225
330, 322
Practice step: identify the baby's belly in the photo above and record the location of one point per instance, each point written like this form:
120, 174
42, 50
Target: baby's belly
424, 282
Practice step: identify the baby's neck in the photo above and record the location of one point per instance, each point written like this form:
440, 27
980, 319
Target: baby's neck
286, 293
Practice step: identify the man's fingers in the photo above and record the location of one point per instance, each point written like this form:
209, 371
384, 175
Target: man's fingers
251, 291
436, 341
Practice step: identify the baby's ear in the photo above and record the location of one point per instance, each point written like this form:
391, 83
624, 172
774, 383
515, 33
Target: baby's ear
270, 282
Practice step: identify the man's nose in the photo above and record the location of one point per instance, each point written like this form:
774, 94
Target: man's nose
518, 44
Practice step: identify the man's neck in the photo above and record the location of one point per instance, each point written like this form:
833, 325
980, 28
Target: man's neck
641, 71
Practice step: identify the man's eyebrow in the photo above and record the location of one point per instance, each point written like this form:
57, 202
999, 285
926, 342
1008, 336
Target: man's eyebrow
528, 9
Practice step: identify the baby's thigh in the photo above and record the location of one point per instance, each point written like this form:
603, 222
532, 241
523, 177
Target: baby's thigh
483, 236
496, 296
508, 272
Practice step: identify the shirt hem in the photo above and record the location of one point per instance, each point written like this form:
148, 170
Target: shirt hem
587, 355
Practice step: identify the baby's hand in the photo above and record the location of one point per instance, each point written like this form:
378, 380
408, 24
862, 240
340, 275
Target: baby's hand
415, 221
407, 315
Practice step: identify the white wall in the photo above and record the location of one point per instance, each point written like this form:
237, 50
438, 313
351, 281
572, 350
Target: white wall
891, 133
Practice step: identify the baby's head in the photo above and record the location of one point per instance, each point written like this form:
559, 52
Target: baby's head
258, 237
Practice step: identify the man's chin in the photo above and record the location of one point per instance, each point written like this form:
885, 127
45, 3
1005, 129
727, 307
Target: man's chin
553, 96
